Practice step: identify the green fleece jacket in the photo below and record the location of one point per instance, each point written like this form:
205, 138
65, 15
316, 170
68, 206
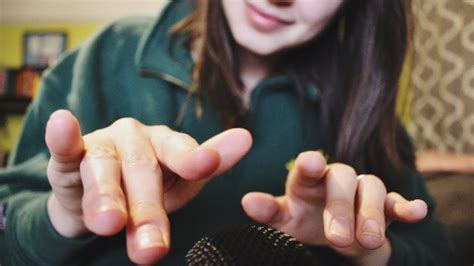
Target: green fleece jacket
126, 70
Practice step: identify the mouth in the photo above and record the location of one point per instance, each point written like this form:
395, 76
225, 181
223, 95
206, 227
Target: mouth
263, 21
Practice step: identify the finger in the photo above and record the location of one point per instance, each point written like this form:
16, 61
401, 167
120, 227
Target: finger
182, 154
231, 145
338, 215
148, 225
185, 157
103, 202
304, 179
371, 195
264, 208
399, 208
64, 141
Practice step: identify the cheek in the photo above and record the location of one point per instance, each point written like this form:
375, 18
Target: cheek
318, 12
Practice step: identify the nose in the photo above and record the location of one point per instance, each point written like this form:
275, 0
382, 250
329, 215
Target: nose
282, 3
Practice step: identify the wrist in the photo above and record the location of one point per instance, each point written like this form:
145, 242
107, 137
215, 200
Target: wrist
64, 222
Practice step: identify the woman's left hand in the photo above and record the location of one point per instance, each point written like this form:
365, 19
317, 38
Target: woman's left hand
331, 205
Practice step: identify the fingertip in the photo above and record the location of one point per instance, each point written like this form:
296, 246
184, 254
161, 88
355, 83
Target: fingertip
339, 232
311, 163
231, 145
241, 138
60, 113
63, 133
148, 256
147, 244
371, 234
247, 199
410, 211
204, 161
245, 136
418, 209
62, 118
106, 223
261, 207
105, 215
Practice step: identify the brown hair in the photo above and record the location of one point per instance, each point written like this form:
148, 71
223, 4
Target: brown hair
355, 62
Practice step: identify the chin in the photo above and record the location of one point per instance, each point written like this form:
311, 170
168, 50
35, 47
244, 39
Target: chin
262, 51
259, 47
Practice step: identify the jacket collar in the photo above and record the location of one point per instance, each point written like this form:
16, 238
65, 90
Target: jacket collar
158, 56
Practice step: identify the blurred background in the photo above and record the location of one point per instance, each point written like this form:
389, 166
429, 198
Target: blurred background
436, 100
33, 34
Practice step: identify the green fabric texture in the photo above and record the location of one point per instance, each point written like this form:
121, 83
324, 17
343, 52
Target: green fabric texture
126, 71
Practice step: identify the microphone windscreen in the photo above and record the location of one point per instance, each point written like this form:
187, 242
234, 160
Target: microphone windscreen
249, 245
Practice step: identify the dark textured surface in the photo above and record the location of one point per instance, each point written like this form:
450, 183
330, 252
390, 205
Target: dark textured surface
454, 195
249, 245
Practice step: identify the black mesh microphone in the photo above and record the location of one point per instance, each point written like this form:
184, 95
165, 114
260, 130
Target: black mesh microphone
249, 245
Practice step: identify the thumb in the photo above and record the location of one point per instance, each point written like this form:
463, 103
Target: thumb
64, 140
265, 208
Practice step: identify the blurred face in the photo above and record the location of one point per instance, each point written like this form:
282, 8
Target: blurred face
268, 26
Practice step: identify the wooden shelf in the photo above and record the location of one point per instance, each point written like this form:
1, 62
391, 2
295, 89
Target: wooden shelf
11, 105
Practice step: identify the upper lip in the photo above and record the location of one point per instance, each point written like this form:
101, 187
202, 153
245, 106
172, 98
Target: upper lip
263, 13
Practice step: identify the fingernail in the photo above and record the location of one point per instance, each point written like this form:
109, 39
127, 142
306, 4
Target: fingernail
149, 236
340, 227
107, 203
371, 231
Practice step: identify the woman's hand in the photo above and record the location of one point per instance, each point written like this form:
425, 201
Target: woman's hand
330, 205
130, 175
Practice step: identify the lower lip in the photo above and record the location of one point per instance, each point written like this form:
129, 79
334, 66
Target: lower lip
261, 22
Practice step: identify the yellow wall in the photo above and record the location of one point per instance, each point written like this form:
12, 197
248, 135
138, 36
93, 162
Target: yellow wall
11, 56
9, 133
11, 38
404, 97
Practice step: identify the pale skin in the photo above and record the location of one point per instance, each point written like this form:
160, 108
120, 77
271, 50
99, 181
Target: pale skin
130, 175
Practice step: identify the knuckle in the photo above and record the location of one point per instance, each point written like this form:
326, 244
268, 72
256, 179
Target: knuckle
169, 134
184, 135
127, 123
63, 180
100, 152
375, 181
185, 139
371, 211
109, 188
161, 128
345, 169
142, 210
104, 188
97, 136
136, 159
340, 205
96, 133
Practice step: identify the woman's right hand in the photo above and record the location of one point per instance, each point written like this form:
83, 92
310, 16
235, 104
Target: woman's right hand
130, 175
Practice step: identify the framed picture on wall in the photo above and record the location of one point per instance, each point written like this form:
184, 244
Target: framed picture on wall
41, 49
